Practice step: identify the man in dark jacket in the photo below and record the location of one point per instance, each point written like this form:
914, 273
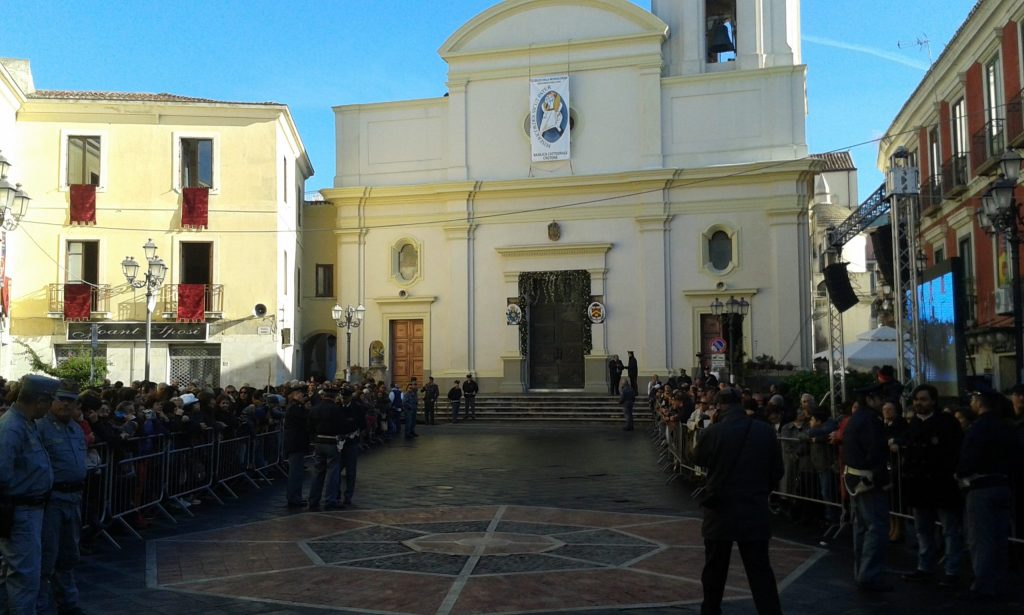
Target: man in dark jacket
626, 400
866, 478
430, 395
986, 459
324, 423
931, 451
744, 465
469, 390
296, 443
632, 370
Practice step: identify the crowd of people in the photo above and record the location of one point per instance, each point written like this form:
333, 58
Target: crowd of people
956, 471
56, 439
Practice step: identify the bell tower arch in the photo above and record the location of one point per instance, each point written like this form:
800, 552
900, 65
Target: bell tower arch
764, 33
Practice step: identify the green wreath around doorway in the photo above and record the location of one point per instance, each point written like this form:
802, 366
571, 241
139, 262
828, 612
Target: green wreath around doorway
571, 286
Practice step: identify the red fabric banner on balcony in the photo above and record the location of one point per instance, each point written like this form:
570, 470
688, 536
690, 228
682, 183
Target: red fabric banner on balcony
83, 204
5, 297
195, 206
191, 302
77, 301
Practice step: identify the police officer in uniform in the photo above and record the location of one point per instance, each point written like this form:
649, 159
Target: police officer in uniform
324, 424
62, 520
351, 424
25, 482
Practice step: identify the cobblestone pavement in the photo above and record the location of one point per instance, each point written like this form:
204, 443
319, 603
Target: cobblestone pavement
557, 500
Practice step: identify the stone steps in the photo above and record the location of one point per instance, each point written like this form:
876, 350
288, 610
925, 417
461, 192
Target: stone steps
548, 408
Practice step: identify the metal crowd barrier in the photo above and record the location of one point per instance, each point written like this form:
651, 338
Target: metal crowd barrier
234, 456
803, 491
268, 454
139, 474
137, 480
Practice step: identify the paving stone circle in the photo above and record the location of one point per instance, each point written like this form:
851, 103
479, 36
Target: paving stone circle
455, 560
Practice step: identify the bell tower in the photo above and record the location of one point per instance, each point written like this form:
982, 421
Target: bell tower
707, 36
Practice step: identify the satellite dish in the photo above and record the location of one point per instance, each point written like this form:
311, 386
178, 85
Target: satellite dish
259, 310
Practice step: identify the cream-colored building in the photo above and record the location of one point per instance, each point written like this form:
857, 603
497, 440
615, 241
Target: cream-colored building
687, 181
107, 171
835, 198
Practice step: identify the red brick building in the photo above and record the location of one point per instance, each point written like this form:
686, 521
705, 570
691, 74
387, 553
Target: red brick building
963, 116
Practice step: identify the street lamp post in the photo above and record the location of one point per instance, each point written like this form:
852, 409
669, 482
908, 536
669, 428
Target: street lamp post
153, 278
350, 318
13, 200
1000, 215
727, 312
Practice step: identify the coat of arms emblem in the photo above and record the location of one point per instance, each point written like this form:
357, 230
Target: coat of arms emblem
554, 231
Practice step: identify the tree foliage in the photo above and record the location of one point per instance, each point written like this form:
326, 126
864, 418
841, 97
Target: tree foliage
76, 367
816, 384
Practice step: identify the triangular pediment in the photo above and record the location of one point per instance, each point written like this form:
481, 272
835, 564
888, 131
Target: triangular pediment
517, 24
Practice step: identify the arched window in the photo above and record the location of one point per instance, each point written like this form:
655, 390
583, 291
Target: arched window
408, 262
720, 250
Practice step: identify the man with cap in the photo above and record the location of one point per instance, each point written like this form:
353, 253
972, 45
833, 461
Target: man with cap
25, 482
296, 442
351, 425
469, 390
866, 479
744, 464
430, 394
324, 424
62, 519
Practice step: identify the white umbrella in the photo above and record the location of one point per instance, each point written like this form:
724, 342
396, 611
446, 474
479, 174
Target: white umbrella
873, 348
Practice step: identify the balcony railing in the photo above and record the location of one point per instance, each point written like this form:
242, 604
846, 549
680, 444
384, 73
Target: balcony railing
1015, 120
954, 176
214, 298
989, 144
931, 192
99, 300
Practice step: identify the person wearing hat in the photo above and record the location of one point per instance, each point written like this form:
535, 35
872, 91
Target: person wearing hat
455, 400
324, 423
469, 390
744, 464
62, 519
351, 427
890, 387
866, 478
296, 443
26, 478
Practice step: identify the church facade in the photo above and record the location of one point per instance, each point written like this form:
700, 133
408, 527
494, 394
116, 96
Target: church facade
595, 177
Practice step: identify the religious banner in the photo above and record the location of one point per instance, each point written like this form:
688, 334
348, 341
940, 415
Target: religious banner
549, 118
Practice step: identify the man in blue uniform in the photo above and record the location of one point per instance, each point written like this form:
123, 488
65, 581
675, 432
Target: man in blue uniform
25, 482
62, 520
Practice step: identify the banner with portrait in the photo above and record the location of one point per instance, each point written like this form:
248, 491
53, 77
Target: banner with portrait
549, 118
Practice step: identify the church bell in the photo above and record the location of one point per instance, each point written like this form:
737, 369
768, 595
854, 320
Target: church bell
720, 41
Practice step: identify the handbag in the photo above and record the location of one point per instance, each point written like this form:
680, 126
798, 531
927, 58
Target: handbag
707, 498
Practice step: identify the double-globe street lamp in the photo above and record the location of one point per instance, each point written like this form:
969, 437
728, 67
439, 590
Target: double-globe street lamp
1000, 215
13, 200
153, 278
350, 318
727, 312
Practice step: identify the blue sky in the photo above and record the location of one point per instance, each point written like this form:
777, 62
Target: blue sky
314, 55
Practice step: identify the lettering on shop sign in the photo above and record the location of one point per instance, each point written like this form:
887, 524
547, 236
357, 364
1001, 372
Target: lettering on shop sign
136, 331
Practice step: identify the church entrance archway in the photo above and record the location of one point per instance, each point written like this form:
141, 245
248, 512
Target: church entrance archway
558, 329
320, 357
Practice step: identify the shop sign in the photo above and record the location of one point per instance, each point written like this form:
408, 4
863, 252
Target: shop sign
136, 331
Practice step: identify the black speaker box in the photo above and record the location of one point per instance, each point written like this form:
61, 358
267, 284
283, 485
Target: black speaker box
837, 281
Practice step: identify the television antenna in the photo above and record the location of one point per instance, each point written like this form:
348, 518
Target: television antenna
922, 42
